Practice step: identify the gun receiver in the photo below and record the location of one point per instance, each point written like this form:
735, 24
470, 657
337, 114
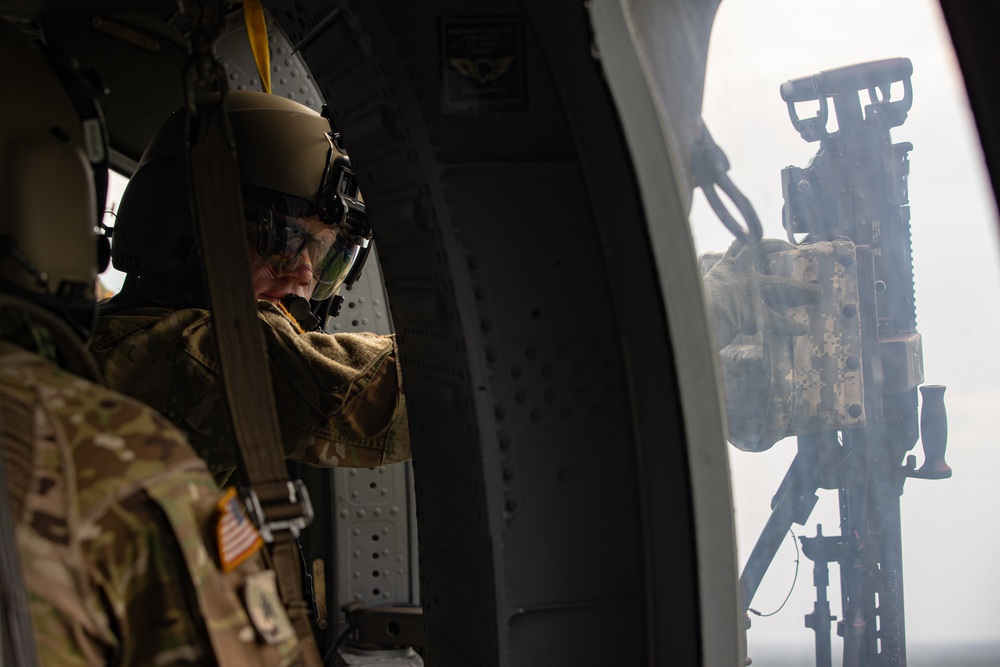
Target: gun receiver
855, 188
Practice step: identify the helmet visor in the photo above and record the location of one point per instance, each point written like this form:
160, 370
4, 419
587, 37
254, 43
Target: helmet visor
283, 240
332, 267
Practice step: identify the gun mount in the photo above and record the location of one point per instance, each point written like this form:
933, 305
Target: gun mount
854, 190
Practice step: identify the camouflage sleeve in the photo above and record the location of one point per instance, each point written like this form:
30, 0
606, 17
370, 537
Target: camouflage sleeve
161, 597
138, 564
116, 536
339, 396
234, 627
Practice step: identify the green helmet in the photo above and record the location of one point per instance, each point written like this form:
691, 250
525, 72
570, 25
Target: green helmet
53, 180
288, 162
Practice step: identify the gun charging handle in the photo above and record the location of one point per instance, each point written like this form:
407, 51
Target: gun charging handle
933, 433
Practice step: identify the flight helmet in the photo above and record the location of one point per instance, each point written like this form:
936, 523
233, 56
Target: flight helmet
291, 169
53, 182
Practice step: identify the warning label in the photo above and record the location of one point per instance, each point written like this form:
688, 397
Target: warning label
483, 64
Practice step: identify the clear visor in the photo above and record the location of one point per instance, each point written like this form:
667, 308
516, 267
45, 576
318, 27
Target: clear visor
332, 268
284, 240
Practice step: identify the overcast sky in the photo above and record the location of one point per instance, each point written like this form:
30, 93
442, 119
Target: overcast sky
951, 539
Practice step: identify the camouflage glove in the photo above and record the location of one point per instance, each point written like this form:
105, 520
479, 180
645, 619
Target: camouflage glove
742, 299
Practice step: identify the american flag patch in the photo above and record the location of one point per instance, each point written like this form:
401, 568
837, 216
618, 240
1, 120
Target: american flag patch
236, 535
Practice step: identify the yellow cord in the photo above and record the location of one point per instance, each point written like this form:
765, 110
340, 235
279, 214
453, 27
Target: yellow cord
291, 318
253, 14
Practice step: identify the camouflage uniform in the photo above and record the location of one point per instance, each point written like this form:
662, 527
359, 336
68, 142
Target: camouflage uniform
114, 510
339, 397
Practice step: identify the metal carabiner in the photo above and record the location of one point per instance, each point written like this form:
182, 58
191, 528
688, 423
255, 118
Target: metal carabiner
709, 167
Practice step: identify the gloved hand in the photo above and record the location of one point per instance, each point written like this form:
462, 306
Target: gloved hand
742, 299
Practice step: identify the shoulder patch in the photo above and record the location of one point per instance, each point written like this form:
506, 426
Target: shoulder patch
235, 534
265, 609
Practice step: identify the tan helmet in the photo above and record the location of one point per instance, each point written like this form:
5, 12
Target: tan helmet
284, 148
48, 244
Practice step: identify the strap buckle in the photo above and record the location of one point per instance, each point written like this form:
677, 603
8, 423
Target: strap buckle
287, 508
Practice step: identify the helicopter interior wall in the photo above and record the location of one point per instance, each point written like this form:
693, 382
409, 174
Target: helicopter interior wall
542, 394
973, 29
126, 53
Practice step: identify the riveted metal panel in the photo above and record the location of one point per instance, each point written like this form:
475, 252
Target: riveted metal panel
373, 550
290, 76
539, 373
375, 508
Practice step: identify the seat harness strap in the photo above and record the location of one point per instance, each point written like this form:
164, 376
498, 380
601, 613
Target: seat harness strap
279, 506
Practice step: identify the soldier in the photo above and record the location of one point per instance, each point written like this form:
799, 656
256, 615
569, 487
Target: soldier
130, 552
339, 397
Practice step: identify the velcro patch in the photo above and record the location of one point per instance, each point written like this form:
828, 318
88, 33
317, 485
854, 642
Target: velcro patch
235, 534
265, 609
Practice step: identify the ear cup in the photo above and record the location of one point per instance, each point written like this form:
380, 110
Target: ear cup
262, 225
103, 252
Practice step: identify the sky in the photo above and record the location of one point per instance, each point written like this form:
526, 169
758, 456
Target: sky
951, 540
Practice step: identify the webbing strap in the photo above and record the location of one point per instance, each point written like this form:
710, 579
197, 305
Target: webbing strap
236, 326
214, 173
241, 348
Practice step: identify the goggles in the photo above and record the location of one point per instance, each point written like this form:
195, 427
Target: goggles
334, 233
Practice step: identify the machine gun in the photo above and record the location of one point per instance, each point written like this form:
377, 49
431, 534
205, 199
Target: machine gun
854, 194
